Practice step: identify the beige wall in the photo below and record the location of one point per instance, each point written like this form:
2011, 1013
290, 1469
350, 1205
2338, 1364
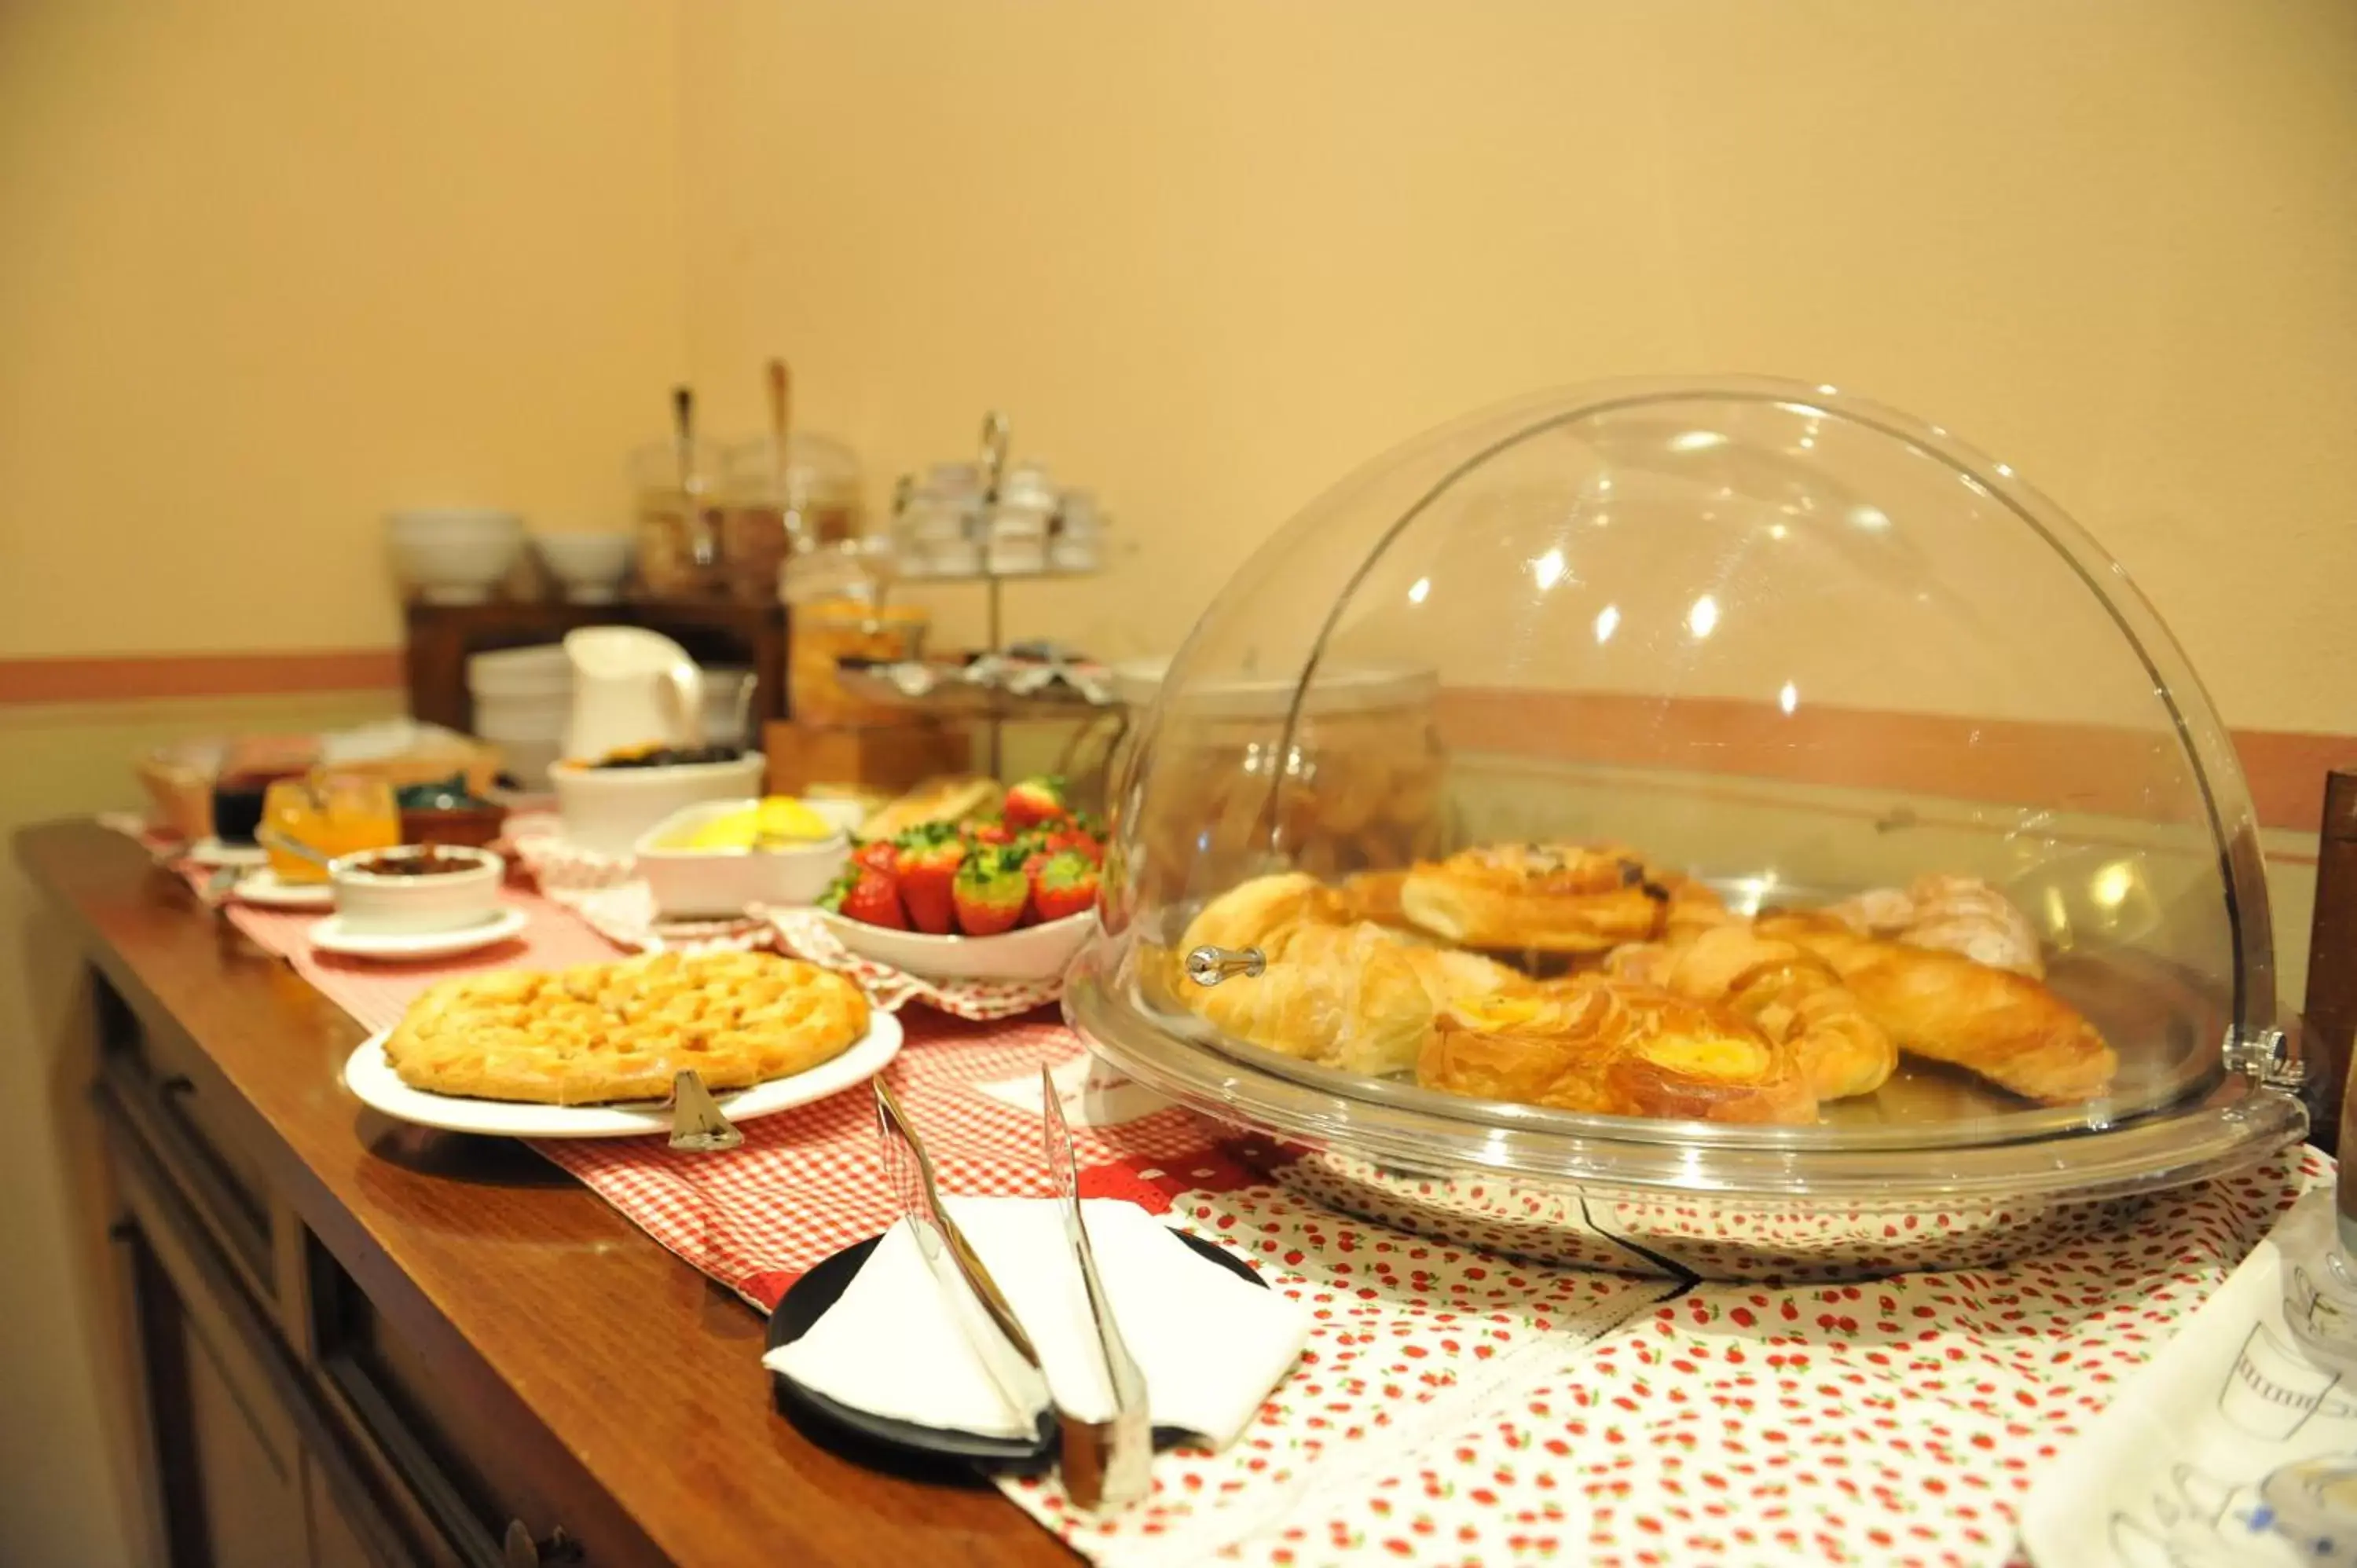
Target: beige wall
268, 267
273, 267
1210, 257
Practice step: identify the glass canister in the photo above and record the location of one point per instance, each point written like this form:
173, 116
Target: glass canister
772, 504
825, 631
678, 519
1358, 789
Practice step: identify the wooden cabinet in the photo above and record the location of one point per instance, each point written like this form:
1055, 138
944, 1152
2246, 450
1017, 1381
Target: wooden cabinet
363, 1343
283, 1434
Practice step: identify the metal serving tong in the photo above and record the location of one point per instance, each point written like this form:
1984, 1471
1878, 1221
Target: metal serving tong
1006, 1352
1104, 1464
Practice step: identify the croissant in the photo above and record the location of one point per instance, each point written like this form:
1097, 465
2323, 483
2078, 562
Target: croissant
1376, 895
1536, 897
1787, 993
1345, 994
1252, 913
1614, 1048
2008, 1027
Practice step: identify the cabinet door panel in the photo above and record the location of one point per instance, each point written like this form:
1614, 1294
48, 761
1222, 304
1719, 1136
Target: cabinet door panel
248, 1473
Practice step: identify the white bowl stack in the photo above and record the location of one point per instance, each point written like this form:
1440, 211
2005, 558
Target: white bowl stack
521, 696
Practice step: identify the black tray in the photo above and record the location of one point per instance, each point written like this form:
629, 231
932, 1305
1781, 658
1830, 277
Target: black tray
867, 1437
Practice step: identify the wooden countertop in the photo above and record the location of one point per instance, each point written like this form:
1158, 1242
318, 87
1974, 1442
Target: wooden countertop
647, 1374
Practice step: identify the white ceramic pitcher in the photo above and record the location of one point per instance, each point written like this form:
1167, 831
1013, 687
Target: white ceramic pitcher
631, 687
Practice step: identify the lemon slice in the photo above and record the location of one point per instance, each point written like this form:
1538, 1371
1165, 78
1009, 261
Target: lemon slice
783, 817
735, 830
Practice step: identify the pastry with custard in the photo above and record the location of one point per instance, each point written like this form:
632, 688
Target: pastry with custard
1618, 1047
1786, 991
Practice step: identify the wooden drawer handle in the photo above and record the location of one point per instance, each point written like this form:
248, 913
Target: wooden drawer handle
523, 1552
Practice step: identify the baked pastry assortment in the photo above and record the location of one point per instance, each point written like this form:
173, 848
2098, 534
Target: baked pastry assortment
1675, 1007
604, 1032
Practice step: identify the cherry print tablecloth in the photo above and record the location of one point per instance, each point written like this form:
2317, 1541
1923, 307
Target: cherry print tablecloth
1453, 1406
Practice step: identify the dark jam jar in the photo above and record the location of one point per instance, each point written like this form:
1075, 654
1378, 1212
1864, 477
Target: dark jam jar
426, 860
668, 756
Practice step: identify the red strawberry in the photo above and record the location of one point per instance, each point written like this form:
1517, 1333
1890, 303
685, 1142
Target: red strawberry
1074, 835
927, 865
1065, 885
879, 855
990, 892
991, 831
875, 898
1036, 801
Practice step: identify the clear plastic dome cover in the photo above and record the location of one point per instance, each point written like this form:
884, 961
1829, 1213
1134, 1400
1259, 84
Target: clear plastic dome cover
1787, 643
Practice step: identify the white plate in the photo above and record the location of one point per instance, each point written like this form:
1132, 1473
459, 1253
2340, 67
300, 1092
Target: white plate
371, 1078
264, 890
330, 936
215, 854
1035, 952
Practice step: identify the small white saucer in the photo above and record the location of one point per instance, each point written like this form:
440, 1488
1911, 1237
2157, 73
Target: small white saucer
213, 853
263, 890
330, 936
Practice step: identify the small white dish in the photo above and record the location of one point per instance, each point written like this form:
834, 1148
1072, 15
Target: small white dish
688, 881
606, 809
214, 854
371, 1078
332, 936
264, 890
374, 902
1034, 952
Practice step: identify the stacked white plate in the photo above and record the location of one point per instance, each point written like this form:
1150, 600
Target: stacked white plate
521, 695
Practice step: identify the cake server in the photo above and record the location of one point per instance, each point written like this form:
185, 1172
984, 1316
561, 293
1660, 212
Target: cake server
1106, 1463
697, 1122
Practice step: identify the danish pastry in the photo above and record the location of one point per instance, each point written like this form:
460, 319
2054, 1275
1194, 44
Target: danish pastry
1615, 1047
605, 1032
1538, 897
2008, 1027
1787, 993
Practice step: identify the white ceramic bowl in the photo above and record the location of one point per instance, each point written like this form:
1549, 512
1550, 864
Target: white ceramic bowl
1035, 952
375, 905
606, 809
724, 881
454, 556
591, 567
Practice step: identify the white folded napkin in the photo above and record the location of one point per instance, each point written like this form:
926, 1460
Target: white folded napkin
1210, 1344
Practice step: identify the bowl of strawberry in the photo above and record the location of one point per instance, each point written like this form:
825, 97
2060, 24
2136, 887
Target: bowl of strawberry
1003, 898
